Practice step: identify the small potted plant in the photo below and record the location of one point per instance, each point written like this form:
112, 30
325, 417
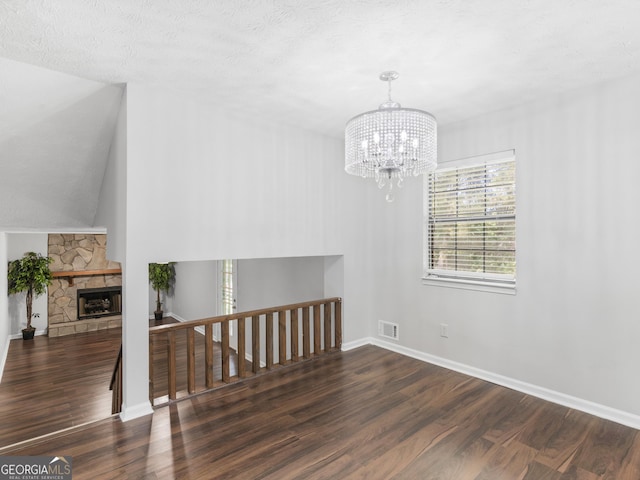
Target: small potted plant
161, 277
29, 274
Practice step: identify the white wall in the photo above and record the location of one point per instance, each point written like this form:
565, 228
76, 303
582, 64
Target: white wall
261, 283
112, 213
573, 326
220, 187
269, 282
204, 184
333, 276
4, 304
111, 210
195, 294
17, 245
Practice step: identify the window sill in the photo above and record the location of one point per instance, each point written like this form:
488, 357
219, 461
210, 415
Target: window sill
476, 285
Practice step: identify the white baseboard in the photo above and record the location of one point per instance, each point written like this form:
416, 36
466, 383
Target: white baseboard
358, 343
249, 357
152, 316
592, 408
135, 411
200, 329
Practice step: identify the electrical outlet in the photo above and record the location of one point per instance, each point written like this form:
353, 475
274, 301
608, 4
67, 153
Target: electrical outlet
444, 330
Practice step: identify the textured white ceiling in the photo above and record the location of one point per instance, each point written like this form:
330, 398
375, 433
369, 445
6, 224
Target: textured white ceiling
315, 63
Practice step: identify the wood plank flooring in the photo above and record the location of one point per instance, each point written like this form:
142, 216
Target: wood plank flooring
50, 384
54, 383
367, 413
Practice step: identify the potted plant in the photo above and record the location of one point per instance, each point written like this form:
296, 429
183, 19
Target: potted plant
161, 277
29, 274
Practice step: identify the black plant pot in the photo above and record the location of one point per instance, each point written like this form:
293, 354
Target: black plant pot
158, 314
28, 333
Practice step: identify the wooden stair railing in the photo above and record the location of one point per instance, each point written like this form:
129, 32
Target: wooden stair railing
321, 333
116, 385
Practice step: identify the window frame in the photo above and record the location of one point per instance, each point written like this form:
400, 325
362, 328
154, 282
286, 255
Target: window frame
491, 282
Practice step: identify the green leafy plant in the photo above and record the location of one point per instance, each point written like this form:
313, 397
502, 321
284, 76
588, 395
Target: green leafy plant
161, 277
29, 274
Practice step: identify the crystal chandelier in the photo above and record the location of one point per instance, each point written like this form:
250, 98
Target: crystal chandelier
391, 142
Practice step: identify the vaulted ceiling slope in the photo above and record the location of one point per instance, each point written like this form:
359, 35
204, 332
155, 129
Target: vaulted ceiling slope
55, 134
314, 64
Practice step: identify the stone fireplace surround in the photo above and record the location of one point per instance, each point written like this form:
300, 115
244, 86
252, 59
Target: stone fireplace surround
78, 253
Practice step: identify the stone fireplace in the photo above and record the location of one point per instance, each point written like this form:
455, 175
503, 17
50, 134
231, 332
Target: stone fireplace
83, 275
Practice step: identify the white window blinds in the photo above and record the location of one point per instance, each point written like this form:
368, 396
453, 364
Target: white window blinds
471, 220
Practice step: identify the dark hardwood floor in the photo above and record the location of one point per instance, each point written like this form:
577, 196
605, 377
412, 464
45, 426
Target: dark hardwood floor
50, 384
367, 413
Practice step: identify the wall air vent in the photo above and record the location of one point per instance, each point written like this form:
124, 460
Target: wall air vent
388, 330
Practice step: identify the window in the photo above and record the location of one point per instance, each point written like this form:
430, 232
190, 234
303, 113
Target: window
471, 223
228, 300
227, 293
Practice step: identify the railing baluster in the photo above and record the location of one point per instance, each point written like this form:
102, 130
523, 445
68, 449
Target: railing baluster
191, 361
225, 351
151, 372
116, 385
282, 337
208, 354
242, 354
171, 358
316, 330
269, 340
116, 394
338, 323
327, 326
306, 334
294, 335
255, 343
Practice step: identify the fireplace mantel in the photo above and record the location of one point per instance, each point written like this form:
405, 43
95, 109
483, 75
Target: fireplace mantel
79, 262
85, 273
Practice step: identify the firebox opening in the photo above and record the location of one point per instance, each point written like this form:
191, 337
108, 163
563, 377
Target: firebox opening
99, 302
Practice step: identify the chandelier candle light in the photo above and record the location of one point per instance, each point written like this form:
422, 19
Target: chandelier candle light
391, 142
